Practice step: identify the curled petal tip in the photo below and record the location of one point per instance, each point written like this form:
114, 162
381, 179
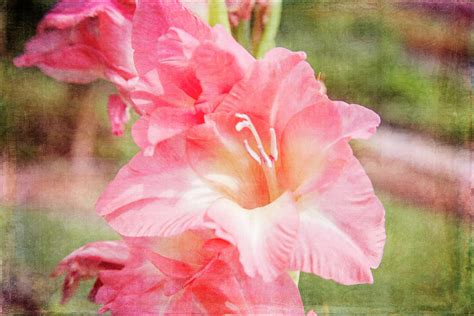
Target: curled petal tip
20, 61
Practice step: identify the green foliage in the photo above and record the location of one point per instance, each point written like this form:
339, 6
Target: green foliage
34, 117
39, 115
36, 242
363, 60
218, 14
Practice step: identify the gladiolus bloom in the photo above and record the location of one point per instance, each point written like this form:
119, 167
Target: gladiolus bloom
271, 171
190, 273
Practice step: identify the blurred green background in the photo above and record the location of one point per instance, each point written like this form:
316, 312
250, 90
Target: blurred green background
409, 63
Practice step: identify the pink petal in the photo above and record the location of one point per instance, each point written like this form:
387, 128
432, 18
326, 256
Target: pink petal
140, 134
342, 230
118, 114
218, 67
152, 20
265, 236
113, 252
75, 64
195, 247
86, 262
275, 89
224, 287
172, 268
163, 123
358, 121
313, 149
157, 195
280, 297
137, 289
171, 84
68, 13
226, 42
116, 44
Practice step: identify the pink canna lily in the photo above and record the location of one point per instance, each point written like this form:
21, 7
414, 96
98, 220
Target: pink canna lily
185, 68
190, 273
271, 171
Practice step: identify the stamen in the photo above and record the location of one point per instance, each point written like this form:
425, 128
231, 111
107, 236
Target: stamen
247, 123
252, 153
268, 160
273, 144
241, 125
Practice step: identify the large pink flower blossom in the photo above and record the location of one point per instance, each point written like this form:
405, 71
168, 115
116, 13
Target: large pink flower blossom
190, 273
185, 69
271, 171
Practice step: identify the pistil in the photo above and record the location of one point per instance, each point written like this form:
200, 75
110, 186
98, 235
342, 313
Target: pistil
272, 183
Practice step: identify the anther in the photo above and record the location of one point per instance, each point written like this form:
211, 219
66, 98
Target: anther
241, 125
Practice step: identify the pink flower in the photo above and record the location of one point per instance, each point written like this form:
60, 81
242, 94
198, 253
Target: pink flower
185, 68
271, 171
190, 273
81, 41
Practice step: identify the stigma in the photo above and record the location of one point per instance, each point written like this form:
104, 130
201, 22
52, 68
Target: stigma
260, 156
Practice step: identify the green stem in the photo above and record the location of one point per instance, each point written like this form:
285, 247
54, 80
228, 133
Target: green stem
218, 14
271, 29
242, 33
